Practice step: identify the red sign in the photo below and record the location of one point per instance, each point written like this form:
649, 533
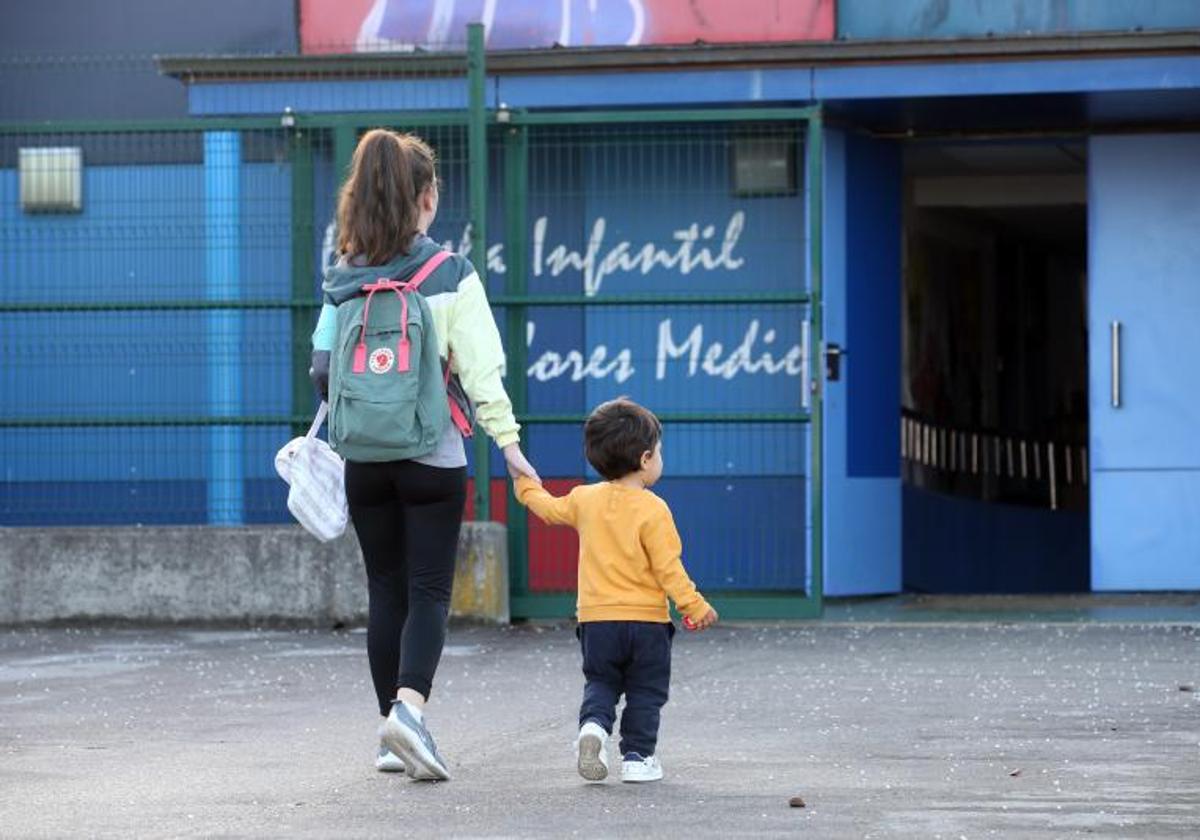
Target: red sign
328, 26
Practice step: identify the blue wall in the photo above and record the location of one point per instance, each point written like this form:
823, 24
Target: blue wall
141, 237
957, 545
1100, 90
738, 491
918, 19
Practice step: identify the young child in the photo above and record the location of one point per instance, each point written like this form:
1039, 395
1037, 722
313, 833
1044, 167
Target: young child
629, 564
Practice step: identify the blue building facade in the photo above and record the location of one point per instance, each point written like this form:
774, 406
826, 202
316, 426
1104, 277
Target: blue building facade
1009, 281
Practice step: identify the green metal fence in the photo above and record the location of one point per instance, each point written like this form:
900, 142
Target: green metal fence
191, 292
156, 333
625, 152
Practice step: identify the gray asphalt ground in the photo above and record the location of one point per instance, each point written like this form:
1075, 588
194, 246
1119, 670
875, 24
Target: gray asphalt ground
885, 730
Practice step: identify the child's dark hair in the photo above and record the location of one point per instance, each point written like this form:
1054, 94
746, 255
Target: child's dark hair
616, 435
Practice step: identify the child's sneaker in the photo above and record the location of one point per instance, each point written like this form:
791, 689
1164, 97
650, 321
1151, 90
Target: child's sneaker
387, 761
635, 768
408, 738
591, 750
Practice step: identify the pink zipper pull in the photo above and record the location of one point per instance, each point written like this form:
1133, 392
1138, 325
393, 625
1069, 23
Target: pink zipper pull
360, 350
402, 352
402, 349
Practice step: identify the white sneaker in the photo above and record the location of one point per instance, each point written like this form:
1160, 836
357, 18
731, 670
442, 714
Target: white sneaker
387, 761
635, 768
591, 752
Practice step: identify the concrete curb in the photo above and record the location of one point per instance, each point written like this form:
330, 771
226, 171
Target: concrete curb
208, 574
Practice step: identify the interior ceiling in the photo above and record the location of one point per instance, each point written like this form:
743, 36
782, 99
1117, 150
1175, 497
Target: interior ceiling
996, 158
1027, 157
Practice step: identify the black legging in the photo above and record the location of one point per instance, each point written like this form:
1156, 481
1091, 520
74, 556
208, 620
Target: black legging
407, 516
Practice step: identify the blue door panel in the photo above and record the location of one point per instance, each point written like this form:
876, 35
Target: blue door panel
1147, 536
1145, 273
1144, 258
862, 408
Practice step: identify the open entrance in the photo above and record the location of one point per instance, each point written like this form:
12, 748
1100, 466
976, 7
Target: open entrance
995, 368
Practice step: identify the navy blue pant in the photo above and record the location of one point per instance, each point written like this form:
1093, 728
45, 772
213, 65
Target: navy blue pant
631, 658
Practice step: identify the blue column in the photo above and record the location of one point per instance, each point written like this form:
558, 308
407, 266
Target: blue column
862, 227
222, 209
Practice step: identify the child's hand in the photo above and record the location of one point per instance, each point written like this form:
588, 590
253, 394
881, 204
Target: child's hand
703, 623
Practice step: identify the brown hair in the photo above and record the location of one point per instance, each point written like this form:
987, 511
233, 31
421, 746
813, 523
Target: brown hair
380, 203
617, 434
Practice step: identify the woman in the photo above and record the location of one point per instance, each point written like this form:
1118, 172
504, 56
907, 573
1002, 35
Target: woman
407, 514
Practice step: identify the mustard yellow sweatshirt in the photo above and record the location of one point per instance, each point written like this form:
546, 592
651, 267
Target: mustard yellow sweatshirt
629, 551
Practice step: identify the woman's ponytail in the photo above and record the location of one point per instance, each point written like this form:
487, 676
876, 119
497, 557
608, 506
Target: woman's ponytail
379, 206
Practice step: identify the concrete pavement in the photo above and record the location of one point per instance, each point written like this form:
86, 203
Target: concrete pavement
885, 730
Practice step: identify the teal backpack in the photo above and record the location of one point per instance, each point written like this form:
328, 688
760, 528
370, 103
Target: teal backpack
387, 387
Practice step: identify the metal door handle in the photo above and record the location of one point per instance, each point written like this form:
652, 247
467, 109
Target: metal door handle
833, 362
807, 387
1115, 333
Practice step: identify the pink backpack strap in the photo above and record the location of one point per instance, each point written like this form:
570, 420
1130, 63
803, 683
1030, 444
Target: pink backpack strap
401, 290
425, 270
402, 349
360, 349
457, 416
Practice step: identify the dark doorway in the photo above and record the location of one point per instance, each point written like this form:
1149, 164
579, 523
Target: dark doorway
995, 368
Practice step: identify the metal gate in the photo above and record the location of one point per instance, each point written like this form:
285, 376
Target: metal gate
656, 254
603, 284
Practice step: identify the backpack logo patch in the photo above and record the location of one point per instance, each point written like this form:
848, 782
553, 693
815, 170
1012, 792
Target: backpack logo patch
382, 360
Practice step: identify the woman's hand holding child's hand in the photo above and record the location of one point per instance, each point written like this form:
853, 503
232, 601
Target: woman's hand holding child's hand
517, 464
703, 623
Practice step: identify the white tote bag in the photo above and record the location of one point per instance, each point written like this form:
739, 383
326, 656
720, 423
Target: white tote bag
317, 497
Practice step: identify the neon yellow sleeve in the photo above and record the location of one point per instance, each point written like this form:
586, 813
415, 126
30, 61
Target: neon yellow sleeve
479, 360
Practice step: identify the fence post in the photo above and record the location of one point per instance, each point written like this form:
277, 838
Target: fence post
302, 274
345, 138
477, 164
516, 252
814, 170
